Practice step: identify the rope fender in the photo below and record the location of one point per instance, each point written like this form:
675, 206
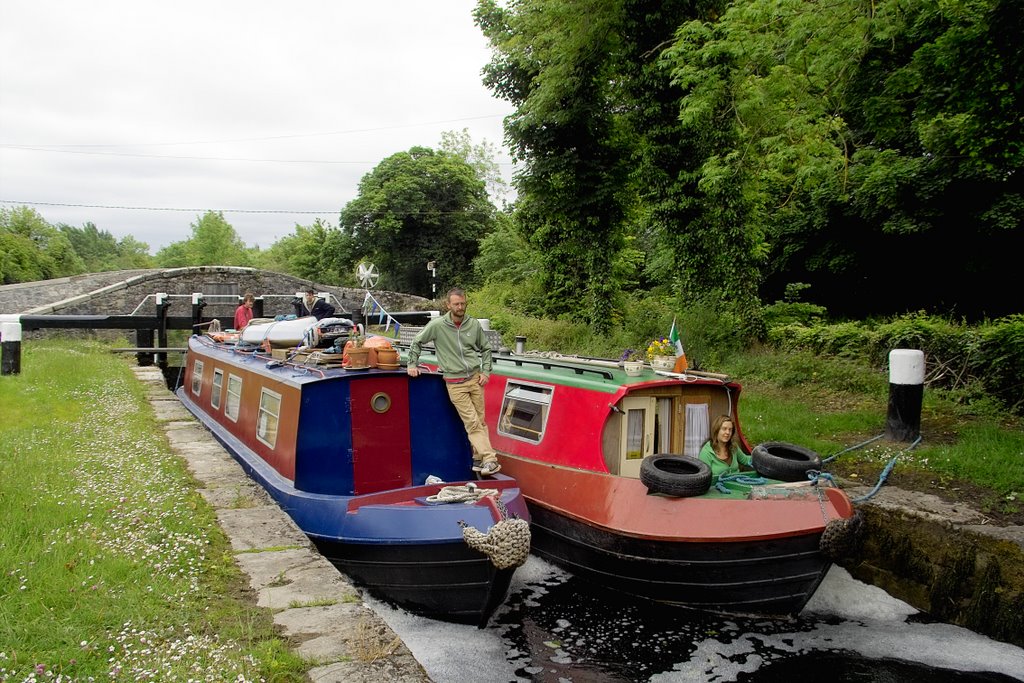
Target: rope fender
842, 537
507, 544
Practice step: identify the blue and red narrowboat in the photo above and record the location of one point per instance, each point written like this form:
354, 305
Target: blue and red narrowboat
347, 454
616, 494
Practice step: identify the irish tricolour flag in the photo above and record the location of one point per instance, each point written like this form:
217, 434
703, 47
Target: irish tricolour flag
673, 336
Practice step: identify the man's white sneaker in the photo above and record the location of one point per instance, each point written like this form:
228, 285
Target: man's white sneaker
490, 467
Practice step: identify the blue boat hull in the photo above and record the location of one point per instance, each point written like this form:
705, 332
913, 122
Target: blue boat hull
403, 549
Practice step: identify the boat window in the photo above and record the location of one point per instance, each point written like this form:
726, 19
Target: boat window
197, 377
266, 421
218, 382
524, 411
635, 428
234, 397
380, 402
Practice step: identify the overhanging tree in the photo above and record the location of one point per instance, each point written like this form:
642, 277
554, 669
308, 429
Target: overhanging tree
554, 61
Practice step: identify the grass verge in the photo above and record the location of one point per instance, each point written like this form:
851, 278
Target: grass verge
113, 565
830, 405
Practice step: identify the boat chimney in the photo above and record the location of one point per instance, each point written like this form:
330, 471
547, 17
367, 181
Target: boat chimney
520, 345
906, 390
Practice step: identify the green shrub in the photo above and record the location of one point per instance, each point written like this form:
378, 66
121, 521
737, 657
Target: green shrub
981, 366
786, 312
1000, 361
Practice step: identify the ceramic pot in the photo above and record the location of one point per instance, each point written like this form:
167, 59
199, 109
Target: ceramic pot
663, 363
633, 368
387, 357
358, 357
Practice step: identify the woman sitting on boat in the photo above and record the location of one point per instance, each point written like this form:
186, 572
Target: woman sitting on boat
721, 453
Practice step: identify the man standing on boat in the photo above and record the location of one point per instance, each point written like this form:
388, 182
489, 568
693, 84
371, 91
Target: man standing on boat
312, 305
464, 356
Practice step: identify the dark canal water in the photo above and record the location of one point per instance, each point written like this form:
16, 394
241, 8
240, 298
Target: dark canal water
558, 629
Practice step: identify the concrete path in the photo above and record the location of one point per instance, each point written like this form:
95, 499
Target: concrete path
316, 607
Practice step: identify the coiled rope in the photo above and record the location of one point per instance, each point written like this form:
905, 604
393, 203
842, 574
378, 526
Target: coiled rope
742, 479
470, 493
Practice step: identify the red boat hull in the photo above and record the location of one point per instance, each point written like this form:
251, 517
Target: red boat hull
729, 555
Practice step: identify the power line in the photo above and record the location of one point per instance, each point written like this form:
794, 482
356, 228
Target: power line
169, 156
193, 158
161, 208
268, 137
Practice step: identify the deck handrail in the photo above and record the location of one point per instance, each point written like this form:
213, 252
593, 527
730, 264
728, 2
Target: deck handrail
547, 364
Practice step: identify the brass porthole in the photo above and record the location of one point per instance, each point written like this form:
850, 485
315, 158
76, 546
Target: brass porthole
380, 402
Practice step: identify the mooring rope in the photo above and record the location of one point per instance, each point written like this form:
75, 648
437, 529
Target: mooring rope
885, 472
852, 448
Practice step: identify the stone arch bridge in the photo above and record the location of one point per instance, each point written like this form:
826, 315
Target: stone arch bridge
133, 292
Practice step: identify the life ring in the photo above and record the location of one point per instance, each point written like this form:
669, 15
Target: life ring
675, 475
784, 461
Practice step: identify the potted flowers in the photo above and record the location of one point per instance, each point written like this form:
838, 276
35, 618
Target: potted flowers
356, 355
632, 362
661, 354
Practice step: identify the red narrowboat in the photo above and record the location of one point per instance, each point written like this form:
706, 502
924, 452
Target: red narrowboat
616, 495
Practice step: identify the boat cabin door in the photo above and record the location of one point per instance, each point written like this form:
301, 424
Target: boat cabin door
637, 436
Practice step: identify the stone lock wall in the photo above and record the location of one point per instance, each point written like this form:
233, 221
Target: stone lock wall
945, 564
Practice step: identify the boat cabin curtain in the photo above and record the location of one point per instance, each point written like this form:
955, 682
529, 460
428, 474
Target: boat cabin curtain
663, 426
698, 428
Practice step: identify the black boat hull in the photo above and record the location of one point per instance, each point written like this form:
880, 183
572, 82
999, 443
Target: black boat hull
448, 582
764, 576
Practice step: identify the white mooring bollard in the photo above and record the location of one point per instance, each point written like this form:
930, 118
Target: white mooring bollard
906, 392
10, 348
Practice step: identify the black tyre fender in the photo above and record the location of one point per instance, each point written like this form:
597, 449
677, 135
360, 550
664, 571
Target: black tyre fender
784, 461
675, 475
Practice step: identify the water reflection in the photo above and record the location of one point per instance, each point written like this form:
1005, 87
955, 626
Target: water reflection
556, 628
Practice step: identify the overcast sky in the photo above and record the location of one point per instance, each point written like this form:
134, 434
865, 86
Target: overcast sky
227, 105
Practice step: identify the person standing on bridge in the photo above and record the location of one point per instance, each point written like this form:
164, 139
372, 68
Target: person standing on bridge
464, 356
243, 314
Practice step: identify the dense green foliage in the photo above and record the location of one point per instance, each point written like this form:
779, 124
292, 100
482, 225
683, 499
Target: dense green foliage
213, 242
317, 252
418, 207
877, 148
981, 364
32, 249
